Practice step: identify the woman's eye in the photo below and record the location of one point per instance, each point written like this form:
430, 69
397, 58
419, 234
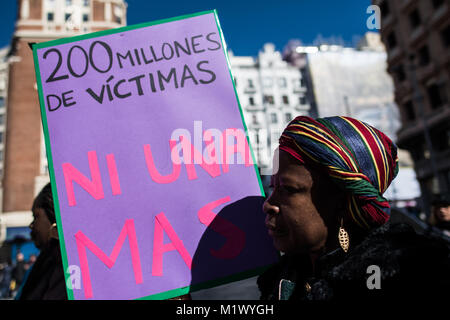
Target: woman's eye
290, 189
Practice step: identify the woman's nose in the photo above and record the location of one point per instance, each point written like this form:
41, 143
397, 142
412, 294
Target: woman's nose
270, 208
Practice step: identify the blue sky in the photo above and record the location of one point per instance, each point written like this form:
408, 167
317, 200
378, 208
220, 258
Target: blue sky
247, 24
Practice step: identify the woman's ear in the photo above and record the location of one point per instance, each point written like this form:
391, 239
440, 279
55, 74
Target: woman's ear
53, 234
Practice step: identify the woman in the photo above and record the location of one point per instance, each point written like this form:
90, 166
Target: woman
328, 216
45, 280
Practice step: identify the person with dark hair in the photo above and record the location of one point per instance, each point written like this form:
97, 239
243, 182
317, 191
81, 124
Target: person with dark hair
19, 269
328, 217
45, 280
440, 217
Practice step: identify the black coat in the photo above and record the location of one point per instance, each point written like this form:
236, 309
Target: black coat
46, 279
410, 265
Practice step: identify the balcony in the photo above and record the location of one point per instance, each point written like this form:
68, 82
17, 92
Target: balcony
416, 36
440, 15
425, 72
412, 129
406, 4
424, 169
394, 55
250, 90
387, 22
403, 89
299, 89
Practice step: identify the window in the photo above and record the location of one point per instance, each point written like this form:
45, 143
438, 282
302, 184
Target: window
302, 100
251, 101
273, 118
68, 2
437, 3
267, 82
391, 40
414, 19
400, 72
250, 83
409, 111
2, 102
297, 83
384, 8
435, 97
445, 35
268, 99
254, 119
282, 82
50, 16
448, 138
424, 56
302, 82
288, 117
441, 139
85, 17
1, 137
67, 16
117, 9
285, 100
86, 3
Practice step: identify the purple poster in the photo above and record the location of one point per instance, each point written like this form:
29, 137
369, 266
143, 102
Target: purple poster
155, 187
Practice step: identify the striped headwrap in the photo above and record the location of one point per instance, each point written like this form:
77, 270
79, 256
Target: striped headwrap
358, 158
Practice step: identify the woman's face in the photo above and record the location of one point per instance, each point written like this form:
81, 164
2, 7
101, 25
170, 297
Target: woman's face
40, 228
300, 208
443, 213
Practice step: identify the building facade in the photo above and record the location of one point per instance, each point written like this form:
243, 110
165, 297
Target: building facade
271, 93
25, 169
3, 99
417, 37
354, 82
25, 165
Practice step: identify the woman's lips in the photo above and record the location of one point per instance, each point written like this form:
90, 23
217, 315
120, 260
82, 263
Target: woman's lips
275, 232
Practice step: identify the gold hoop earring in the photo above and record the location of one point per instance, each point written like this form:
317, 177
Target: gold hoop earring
344, 239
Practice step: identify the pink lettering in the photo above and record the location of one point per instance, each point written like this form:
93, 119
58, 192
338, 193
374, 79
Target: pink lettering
159, 248
83, 242
241, 147
189, 152
113, 174
94, 187
154, 174
235, 236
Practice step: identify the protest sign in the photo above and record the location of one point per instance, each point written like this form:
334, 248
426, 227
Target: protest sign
155, 187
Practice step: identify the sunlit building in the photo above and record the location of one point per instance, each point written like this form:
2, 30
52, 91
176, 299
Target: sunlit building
355, 82
271, 93
417, 38
3, 98
25, 169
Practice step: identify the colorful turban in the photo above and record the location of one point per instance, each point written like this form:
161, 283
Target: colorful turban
359, 159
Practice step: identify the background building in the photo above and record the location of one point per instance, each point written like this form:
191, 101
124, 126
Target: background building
25, 169
3, 97
271, 93
354, 82
417, 37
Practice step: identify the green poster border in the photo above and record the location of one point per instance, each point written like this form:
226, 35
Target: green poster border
166, 294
